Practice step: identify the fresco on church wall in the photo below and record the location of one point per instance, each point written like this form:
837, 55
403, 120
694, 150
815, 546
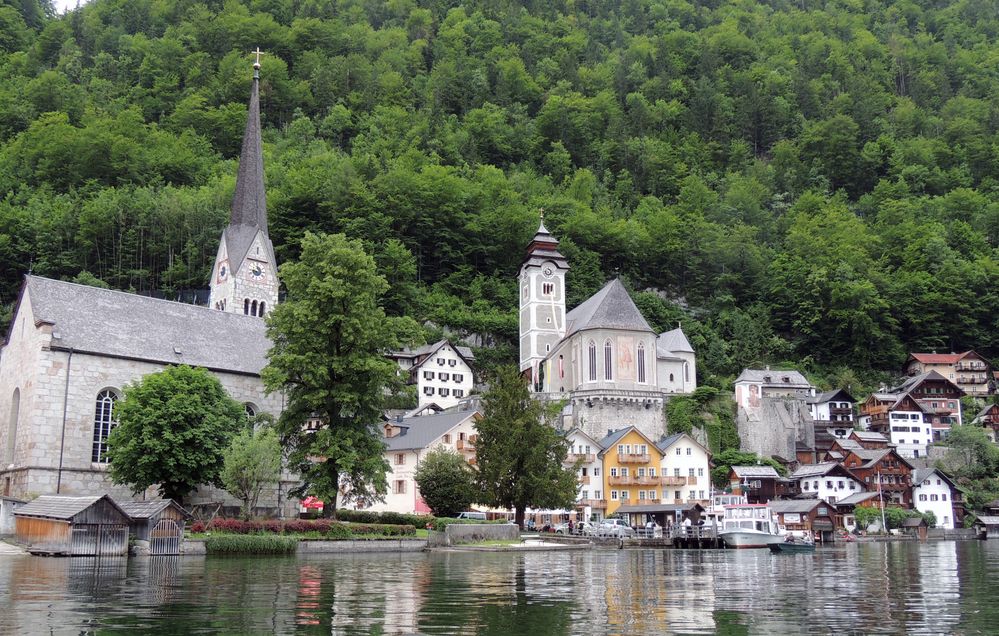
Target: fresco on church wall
626, 358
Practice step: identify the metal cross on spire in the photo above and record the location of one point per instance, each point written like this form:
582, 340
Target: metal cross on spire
256, 64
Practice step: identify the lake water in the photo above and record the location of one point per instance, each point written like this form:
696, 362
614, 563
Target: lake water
864, 588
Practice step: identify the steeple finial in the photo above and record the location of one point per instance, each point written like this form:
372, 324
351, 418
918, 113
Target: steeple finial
256, 63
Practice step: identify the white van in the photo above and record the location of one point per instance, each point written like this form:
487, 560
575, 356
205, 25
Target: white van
478, 516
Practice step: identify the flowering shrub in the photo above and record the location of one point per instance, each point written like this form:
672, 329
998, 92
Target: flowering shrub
327, 528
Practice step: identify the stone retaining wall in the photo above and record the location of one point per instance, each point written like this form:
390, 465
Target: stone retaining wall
459, 533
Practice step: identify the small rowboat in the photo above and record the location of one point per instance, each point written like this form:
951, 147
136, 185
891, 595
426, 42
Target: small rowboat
791, 546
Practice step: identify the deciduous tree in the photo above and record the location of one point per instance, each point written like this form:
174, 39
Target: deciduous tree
445, 482
329, 339
173, 429
252, 461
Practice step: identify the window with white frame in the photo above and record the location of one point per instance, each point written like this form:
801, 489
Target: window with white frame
444, 392
103, 423
613, 495
440, 362
613, 472
444, 376
428, 375
641, 362
608, 361
591, 358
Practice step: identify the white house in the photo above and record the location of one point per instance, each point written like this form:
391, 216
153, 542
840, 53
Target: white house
832, 406
585, 450
902, 419
685, 469
442, 372
932, 491
408, 441
753, 385
828, 481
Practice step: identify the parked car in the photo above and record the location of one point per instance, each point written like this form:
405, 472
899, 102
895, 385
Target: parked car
615, 528
562, 528
585, 528
477, 516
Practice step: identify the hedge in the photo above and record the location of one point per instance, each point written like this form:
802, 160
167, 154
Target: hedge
250, 544
327, 528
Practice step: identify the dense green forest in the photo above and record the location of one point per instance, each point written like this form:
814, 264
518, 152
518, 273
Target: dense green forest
803, 181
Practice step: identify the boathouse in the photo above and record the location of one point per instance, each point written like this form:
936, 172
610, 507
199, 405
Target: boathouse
76, 526
805, 517
987, 526
157, 524
7, 507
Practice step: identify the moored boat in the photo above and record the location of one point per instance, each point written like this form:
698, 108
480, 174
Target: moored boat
749, 526
792, 546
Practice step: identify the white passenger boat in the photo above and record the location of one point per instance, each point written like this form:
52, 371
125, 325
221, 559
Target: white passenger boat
749, 526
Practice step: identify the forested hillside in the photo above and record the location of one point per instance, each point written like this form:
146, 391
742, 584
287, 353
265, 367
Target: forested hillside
807, 181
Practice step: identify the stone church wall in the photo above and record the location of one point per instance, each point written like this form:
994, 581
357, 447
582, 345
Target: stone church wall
775, 427
610, 414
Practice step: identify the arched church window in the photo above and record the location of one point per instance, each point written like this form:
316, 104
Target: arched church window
15, 408
686, 372
263, 307
671, 377
251, 411
103, 423
253, 308
608, 361
592, 360
641, 361
246, 306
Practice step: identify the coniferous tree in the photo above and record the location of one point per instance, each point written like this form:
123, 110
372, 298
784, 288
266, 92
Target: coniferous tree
519, 453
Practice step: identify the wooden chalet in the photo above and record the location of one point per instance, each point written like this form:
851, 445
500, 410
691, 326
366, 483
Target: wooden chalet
73, 526
883, 469
158, 523
988, 418
757, 483
846, 507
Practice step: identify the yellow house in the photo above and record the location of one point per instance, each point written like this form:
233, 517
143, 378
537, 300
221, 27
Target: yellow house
631, 464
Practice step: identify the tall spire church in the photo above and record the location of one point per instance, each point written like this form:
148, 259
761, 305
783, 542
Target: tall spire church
244, 278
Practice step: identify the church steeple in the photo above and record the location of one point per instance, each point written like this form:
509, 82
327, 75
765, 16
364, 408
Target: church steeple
244, 279
542, 299
249, 203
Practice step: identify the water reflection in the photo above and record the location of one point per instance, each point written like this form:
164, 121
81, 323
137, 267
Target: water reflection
932, 588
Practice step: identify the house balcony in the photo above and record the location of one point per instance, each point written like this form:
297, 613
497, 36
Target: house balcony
673, 481
633, 480
592, 503
586, 458
649, 502
841, 411
465, 445
972, 379
633, 458
970, 366
585, 480
626, 502
875, 410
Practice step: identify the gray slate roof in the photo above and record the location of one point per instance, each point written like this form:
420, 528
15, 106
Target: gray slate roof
671, 342
856, 498
827, 396
59, 507
767, 472
430, 349
609, 308
870, 436
802, 506
147, 509
920, 474
914, 381
249, 201
666, 442
119, 324
814, 470
424, 430
988, 520
612, 437
795, 378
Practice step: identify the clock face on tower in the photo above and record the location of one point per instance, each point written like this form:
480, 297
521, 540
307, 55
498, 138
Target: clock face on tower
547, 271
257, 271
223, 271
